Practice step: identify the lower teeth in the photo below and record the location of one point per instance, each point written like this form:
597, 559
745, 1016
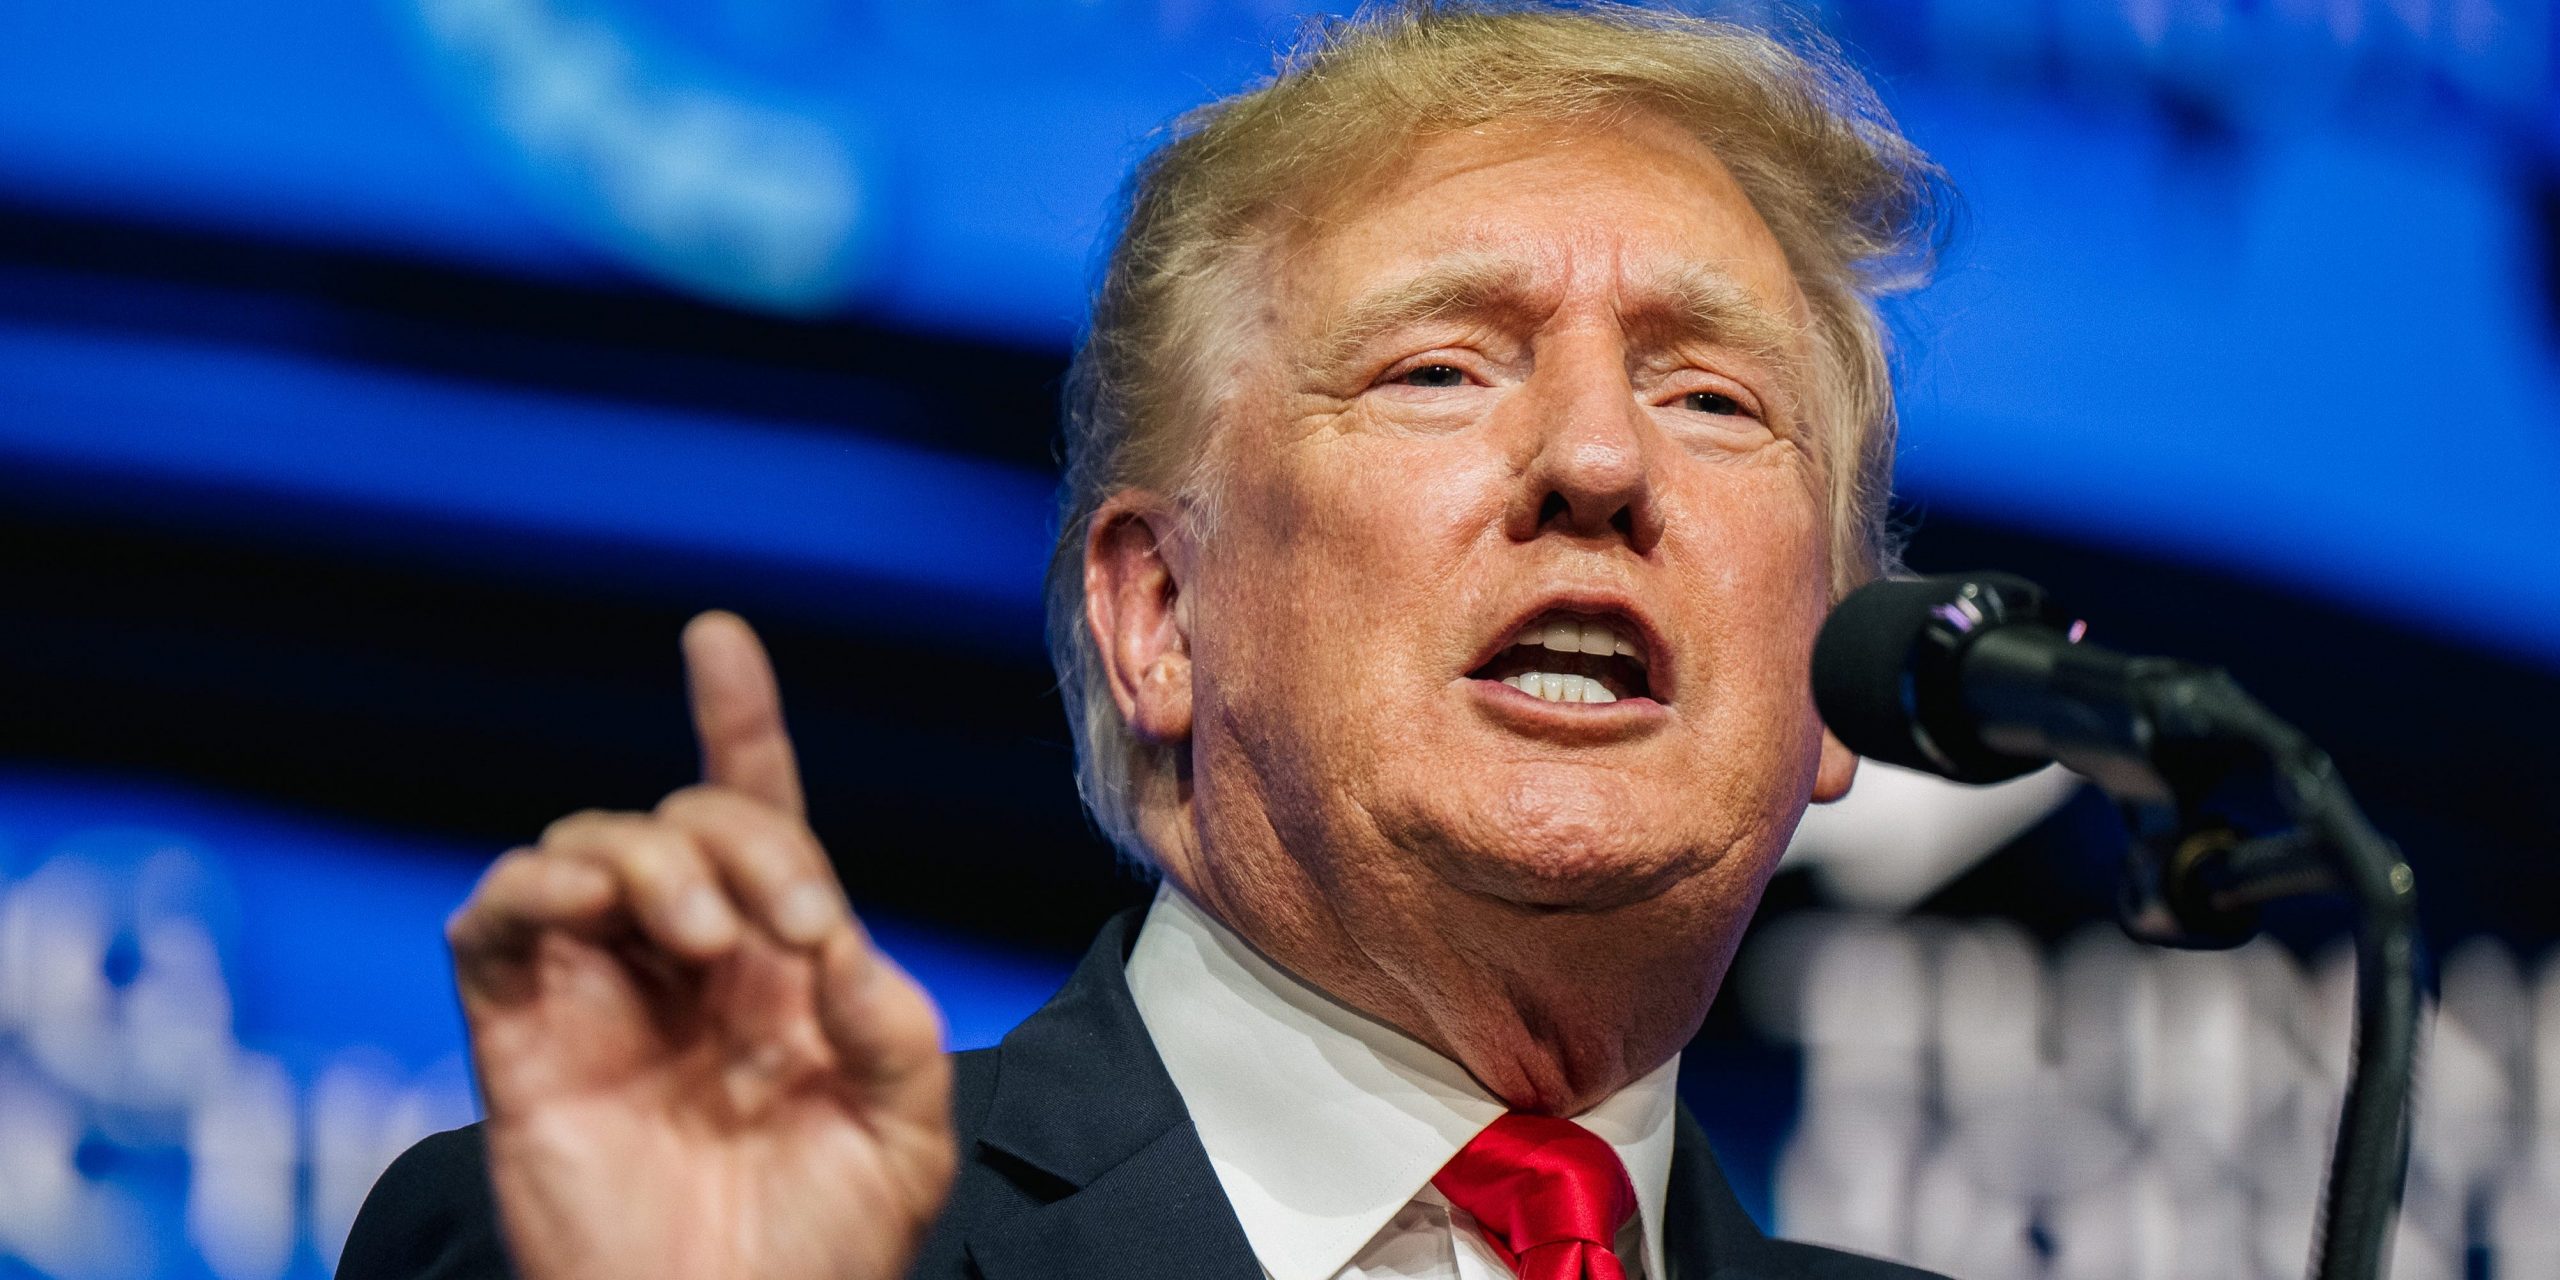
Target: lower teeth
1561, 688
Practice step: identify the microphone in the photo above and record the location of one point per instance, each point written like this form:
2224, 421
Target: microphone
1980, 678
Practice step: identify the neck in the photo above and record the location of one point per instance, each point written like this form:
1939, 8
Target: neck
1551, 1011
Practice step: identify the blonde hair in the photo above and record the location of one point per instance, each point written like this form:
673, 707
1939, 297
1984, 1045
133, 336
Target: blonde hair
1854, 205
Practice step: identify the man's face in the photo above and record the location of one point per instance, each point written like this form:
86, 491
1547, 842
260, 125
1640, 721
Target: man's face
1521, 552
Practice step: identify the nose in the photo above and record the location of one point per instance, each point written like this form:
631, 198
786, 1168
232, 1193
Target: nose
1590, 452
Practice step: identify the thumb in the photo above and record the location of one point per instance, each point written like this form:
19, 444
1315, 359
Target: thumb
884, 1028
737, 712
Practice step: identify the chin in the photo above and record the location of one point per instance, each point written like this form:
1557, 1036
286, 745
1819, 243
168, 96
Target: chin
1563, 840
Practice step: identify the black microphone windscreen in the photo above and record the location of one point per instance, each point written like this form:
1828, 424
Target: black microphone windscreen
1862, 667
1888, 670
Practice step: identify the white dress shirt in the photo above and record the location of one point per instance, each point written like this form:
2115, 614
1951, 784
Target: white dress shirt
1325, 1126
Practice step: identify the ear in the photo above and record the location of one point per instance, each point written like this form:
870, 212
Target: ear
1838, 769
1133, 568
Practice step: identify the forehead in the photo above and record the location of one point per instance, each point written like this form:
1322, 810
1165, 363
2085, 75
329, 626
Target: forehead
1612, 209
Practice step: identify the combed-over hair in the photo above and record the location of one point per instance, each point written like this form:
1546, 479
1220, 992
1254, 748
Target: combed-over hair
1854, 205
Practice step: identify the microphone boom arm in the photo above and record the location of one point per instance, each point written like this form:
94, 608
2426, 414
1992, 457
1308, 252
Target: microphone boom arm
2198, 877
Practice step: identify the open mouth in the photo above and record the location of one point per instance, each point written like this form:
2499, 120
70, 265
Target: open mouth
1571, 657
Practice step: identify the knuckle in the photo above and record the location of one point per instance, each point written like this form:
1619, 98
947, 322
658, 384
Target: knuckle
654, 854
575, 826
506, 863
685, 800
709, 805
736, 830
628, 841
504, 873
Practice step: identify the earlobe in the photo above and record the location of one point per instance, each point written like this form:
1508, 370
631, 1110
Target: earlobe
1134, 612
1838, 769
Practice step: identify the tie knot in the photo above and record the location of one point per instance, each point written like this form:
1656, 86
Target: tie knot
1533, 1181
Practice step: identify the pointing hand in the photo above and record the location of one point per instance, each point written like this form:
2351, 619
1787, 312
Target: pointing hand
695, 1063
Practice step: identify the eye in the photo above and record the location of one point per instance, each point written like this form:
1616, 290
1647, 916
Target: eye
1433, 375
1711, 402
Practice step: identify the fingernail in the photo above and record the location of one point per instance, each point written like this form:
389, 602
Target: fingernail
700, 920
806, 913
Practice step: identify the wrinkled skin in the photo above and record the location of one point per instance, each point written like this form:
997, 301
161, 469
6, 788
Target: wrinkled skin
1548, 894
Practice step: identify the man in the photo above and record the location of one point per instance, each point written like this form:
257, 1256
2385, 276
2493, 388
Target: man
1475, 426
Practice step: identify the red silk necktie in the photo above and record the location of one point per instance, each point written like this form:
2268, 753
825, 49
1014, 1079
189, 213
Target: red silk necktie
1549, 1195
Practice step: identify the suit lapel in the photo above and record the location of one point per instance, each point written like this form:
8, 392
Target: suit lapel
1705, 1233
1081, 1097
1159, 1212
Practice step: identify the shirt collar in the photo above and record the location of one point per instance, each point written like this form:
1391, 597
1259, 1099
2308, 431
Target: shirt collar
1322, 1122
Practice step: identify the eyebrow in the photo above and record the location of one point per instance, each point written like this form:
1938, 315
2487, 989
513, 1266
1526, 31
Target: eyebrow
1687, 301
1469, 284
1692, 301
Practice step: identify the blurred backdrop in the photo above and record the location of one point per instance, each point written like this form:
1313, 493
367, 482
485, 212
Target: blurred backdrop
383, 383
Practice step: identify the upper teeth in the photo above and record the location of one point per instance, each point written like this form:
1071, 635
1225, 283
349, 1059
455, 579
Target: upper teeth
1565, 635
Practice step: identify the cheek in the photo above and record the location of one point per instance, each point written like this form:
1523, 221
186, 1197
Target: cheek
1761, 584
1367, 531
1329, 562
1762, 546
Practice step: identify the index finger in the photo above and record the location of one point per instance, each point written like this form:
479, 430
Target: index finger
737, 712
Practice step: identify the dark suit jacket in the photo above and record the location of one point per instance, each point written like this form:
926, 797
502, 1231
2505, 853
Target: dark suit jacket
1077, 1160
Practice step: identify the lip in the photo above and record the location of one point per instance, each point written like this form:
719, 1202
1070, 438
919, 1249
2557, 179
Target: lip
1571, 723
1659, 668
